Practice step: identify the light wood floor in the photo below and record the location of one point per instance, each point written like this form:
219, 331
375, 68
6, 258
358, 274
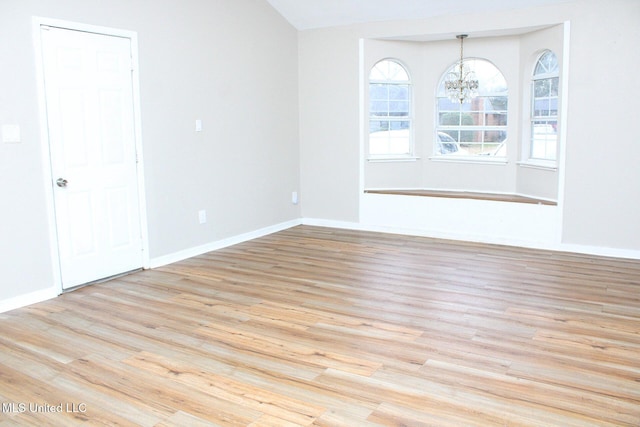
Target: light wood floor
324, 327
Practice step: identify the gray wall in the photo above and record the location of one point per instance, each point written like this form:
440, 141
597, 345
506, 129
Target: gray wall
280, 111
231, 63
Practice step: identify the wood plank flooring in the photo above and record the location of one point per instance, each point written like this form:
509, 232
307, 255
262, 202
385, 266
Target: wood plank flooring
322, 327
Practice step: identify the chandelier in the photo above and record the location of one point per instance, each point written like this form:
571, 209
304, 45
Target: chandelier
461, 84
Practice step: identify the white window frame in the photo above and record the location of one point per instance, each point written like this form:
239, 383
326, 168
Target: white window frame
475, 158
531, 159
410, 154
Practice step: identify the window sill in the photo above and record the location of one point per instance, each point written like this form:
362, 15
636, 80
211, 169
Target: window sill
484, 160
454, 194
549, 165
392, 159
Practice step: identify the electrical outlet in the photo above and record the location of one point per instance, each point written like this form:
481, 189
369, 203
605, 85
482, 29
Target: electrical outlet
294, 197
202, 216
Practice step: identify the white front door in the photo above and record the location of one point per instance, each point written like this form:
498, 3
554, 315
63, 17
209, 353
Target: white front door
92, 140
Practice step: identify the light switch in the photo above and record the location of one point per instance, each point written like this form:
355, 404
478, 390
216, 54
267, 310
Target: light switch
10, 134
198, 125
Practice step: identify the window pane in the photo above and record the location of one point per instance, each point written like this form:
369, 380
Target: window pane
544, 138
470, 136
544, 142
548, 63
378, 91
399, 143
449, 119
474, 118
399, 92
490, 79
495, 136
490, 149
446, 144
399, 125
448, 136
378, 72
389, 99
541, 68
479, 125
389, 137
541, 107
467, 119
378, 144
473, 149
378, 125
496, 119
445, 104
460, 119
554, 86
379, 108
445, 148
553, 107
399, 108
545, 107
496, 103
396, 72
388, 70
489, 103
542, 88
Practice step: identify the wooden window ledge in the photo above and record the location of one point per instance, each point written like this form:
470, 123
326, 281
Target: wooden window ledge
467, 195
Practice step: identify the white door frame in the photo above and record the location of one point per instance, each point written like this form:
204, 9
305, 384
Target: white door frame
37, 23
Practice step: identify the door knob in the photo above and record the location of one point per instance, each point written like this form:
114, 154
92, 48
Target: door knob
61, 182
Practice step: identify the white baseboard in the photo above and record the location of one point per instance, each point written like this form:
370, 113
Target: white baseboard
420, 233
49, 293
561, 247
219, 244
346, 225
600, 251
28, 299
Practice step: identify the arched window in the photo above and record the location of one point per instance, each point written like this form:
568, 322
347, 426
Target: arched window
478, 128
544, 108
389, 110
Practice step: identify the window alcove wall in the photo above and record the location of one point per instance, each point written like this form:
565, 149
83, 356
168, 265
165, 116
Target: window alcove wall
515, 55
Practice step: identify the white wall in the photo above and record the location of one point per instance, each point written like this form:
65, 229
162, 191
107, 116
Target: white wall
600, 198
519, 224
534, 181
397, 174
230, 63
426, 61
602, 188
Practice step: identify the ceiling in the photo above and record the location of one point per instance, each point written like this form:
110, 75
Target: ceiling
307, 14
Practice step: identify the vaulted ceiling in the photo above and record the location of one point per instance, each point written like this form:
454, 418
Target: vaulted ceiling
307, 14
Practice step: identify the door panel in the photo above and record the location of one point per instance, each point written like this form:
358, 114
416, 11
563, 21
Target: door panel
80, 225
90, 115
